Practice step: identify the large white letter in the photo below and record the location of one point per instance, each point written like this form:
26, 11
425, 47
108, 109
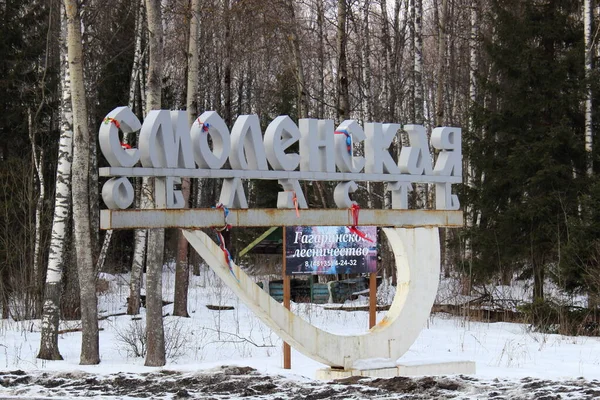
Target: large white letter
399, 194
108, 138
232, 194
377, 144
346, 135
292, 196
157, 148
449, 161
316, 145
444, 199
210, 123
247, 149
117, 193
280, 135
341, 194
182, 142
415, 160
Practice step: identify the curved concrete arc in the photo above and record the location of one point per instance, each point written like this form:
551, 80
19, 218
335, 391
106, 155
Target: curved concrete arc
417, 254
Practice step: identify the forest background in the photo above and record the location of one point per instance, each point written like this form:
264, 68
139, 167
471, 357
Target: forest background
519, 77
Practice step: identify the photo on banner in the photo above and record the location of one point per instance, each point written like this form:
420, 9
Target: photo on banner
322, 250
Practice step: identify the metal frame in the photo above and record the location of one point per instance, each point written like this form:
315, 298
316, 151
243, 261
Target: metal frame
262, 217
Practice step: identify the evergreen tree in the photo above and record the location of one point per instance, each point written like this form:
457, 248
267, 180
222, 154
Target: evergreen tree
528, 150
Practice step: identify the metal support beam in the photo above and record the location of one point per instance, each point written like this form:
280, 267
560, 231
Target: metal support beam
267, 217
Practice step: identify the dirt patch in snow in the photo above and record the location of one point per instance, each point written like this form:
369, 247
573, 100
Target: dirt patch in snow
232, 382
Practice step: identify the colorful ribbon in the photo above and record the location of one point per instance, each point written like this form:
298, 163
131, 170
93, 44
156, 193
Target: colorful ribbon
226, 253
348, 139
205, 125
108, 120
295, 200
226, 226
354, 211
221, 239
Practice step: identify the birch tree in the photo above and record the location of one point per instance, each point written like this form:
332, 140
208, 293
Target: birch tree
37, 155
321, 59
62, 212
227, 111
418, 62
294, 43
387, 73
411, 81
182, 268
343, 96
366, 67
155, 355
419, 116
139, 247
587, 28
441, 64
81, 205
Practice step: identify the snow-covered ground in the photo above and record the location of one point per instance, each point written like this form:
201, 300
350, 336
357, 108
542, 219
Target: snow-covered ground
512, 361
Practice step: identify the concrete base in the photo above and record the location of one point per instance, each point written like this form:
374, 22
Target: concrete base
402, 369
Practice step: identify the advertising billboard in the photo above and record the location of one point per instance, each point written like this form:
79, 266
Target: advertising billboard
320, 250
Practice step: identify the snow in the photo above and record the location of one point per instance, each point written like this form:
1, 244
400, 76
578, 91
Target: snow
507, 352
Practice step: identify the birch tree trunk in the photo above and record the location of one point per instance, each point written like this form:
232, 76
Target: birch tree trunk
587, 28
396, 55
366, 68
367, 93
137, 56
62, 202
473, 67
343, 99
421, 192
227, 112
104, 250
588, 17
135, 282
38, 162
321, 57
80, 185
441, 64
139, 247
439, 111
182, 268
297, 56
387, 65
418, 62
155, 355
412, 79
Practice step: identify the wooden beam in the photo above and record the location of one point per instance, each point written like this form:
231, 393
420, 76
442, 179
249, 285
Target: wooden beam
256, 241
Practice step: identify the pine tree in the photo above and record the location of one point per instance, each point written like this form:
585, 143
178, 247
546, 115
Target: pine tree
530, 158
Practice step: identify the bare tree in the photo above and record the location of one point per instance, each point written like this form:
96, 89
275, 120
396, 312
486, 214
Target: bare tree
80, 185
298, 64
38, 162
321, 57
155, 335
418, 62
441, 64
139, 247
227, 15
387, 64
343, 95
182, 269
587, 23
367, 94
62, 212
